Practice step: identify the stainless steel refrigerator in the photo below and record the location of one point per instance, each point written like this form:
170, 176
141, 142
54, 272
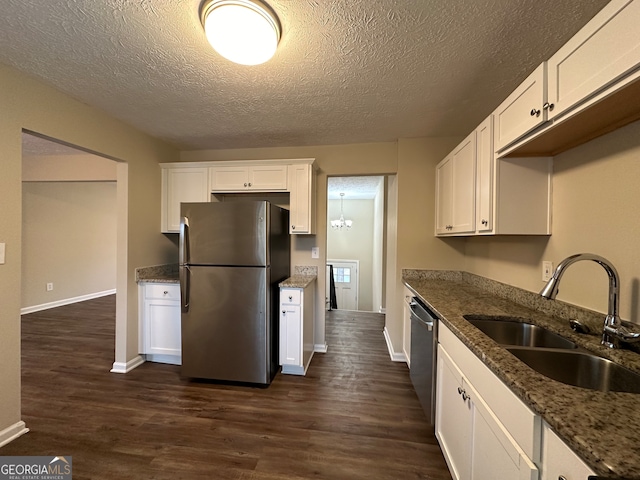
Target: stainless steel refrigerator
232, 257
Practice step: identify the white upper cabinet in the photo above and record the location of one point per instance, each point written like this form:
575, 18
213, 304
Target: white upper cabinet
181, 184
523, 110
302, 194
484, 176
240, 178
455, 190
195, 182
603, 51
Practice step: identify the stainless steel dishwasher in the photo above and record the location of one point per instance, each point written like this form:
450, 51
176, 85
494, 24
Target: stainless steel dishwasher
424, 347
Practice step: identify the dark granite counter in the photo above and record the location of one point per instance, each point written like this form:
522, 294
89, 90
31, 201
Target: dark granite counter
158, 274
302, 276
602, 428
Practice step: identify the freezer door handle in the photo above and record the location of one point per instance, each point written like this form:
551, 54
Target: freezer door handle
185, 286
184, 241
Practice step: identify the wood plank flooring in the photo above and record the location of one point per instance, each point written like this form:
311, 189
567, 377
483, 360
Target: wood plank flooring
354, 416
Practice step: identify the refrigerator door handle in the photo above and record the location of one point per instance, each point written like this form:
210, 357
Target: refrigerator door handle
185, 273
185, 286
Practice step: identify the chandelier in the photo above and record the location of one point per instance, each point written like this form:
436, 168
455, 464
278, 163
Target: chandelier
341, 222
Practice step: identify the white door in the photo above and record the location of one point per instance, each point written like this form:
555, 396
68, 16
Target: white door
345, 277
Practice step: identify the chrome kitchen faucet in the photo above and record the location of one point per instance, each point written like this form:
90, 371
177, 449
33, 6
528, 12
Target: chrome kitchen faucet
613, 330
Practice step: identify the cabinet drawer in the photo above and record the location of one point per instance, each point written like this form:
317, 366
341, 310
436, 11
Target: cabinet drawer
167, 291
290, 296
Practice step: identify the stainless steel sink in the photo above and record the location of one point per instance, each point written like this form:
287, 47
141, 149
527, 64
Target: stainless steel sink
512, 331
579, 368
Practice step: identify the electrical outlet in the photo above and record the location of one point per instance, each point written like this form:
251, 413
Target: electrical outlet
547, 271
315, 252
49, 287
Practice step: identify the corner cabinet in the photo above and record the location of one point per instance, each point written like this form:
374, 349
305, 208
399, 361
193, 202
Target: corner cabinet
478, 193
476, 442
296, 328
181, 184
196, 182
159, 334
455, 189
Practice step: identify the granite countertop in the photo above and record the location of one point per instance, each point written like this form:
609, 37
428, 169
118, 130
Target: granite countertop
158, 274
298, 281
600, 427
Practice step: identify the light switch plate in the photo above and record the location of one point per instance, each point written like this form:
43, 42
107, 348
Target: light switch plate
547, 271
315, 252
2, 249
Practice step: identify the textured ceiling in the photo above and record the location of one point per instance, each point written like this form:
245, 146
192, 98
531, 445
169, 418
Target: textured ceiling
346, 71
354, 188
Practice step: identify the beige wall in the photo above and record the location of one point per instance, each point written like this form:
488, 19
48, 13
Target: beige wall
355, 243
29, 104
68, 239
596, 196
81, 167
414, 161
332, 160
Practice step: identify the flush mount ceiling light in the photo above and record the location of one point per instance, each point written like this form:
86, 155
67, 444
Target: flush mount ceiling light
243, 31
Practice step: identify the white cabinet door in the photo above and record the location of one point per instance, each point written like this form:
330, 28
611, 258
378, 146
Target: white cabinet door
453, 418
268, 177
559, 461
232, 178
494, 454
163, 335
603, 51
302, 199
290, 335
522, 111
188, 184
444, 196
474, 442
240, 178
484, 172
455, 190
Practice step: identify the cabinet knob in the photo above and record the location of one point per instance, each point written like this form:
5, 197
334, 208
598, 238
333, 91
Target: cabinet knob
249, 183
548, 106
290, 298
535, 112
293, 227
485, 222
166, 292
284, 312
460, 390
245, 184
465, 397
562, 477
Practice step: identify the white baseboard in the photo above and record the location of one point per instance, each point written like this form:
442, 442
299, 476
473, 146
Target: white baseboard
65, 301
320, 347
395, 357
382, 310
12, 432
119, 367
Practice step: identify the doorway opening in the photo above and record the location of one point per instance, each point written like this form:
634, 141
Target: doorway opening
74, 204
356, 243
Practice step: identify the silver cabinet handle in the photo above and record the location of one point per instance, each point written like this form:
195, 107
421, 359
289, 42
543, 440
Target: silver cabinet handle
535, 112
548, 106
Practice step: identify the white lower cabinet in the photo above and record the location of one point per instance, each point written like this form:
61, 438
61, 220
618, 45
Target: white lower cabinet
558, 460
474, 442
159, 331
296, 328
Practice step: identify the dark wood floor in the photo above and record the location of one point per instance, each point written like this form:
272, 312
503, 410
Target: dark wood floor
354, 416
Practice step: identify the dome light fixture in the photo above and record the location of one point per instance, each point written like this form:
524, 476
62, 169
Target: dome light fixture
243, 31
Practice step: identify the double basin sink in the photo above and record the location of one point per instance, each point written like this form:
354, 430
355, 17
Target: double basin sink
556, 357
